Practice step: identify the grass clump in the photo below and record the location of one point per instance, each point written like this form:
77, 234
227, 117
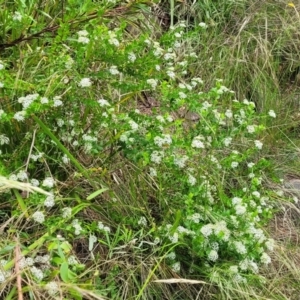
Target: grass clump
150, 172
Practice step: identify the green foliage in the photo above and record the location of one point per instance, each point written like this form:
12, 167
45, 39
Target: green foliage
150, 165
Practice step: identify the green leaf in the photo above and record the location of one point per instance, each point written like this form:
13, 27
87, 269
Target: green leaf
95, 194
64, 272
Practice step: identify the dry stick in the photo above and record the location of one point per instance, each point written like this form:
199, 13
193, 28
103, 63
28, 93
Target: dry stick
28, 158
17, 269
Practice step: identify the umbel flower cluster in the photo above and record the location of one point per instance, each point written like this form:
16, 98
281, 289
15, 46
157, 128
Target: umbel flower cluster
206, 172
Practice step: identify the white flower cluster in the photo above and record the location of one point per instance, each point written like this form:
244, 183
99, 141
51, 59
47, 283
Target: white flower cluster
181, 161
27, 100
76, 226
142, 221
66, 212
114, 70
113, 39
164, 140
48, 182
52, 288
195, 218
85, 82
103, 102
102, 227
4, 274
36, 157
38, 217
198, 142
83, 37
20, 116
4, 139
152, 82
156, 157
49, 201
219, 228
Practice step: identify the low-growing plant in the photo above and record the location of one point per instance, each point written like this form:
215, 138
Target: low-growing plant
137, 156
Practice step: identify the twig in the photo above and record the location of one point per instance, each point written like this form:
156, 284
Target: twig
17, 269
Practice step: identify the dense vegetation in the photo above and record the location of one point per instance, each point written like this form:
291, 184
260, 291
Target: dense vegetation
148, 149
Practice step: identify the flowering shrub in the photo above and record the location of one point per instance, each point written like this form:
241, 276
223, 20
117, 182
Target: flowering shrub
198, 148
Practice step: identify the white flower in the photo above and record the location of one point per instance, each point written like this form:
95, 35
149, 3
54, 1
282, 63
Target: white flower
114, 70
180, 161
34, 182
20, 115
152, 172
228, 113
258, 144
22, 175
82, 37
134, 126
160, 119
171, 74
142, 221
57, 102
191, 180
152, 82
65, 159
240, 209
37, 273
207, 230
157, 67
250, 165
163, 141
233, 269
197, 143
202, 25
17, 16
76, 226
38, 217
82, 33
44, 100
227, 141
85, 82
52, 288
213, 255
236, 200
256, 194
49, 202
112, 39
1, 65
103, 102
131, 56
265, 259
156, 157
169, 56
4, 139
270, 243
272, 114
171, 255
182, 95
174, 238
1, 85
234, 164
66, 212
83, 40
72, 260
240, 247
251, 128
176, 267
48, 182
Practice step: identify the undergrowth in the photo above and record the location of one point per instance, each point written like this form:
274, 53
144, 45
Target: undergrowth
137, 161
